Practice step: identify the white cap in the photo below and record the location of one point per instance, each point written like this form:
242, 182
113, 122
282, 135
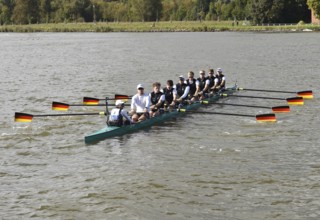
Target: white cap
181, 77
140, 86
119, 102
219, 70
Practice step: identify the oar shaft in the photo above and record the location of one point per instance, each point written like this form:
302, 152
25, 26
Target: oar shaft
250, 106
109, 104
222, 113
266, 90
71, 114
257, 97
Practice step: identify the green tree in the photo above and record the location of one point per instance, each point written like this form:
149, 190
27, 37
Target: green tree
295, 11
45, 10
315, 6
146, 10
266, 10
26, 12
6, 9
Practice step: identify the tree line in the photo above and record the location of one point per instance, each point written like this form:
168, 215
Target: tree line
56, 11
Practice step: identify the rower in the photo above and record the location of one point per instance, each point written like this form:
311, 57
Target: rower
213, 81
170, 94
140, 105
191, 82
157, 100
202, 85
222, 80
182, 90
119, 116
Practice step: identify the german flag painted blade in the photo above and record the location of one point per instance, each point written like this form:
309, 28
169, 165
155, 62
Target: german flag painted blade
281, 109
121, 97
295, 101
90, 101
266, 118
22, 117
59, 106
306, 94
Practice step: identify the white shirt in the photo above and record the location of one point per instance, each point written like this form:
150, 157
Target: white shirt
140, 102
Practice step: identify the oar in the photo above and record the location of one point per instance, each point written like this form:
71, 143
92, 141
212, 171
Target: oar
23, 117
307, 94
60, 106
95, 101
290, 101
261, 118
275, 109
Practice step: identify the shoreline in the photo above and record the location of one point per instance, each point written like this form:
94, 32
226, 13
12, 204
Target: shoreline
174, 26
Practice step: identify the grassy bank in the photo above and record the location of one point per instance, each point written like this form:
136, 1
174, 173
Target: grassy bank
175, 26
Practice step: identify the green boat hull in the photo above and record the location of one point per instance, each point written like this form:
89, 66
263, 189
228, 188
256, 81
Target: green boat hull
112, 131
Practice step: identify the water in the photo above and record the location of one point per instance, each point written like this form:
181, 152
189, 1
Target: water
196, 167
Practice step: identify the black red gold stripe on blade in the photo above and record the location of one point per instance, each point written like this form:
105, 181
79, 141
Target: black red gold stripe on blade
306, 94
266, 118
90, 101
22, 117
59, 106
281, 109
295, 101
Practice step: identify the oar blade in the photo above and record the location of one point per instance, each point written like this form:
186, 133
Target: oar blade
295, 101
266, 118
121, 97
22, 117
281, 109
90, 101
59, 106
306, 94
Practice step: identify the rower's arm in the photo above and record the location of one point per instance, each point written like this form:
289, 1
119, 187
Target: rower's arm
186, 92
174, 93
148, 101
125, 115
206, 87
197, 87
215, 84
161, 100
133, 104
223, 82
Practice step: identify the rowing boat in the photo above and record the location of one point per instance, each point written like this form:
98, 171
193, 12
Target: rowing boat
112, 131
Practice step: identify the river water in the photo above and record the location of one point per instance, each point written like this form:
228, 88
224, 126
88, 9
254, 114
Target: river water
194, 167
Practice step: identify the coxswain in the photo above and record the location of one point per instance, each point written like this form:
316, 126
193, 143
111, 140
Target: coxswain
140, 105
222, 80
192, 83
170, 94
182, 90
119, 116
202, 85
157, 99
